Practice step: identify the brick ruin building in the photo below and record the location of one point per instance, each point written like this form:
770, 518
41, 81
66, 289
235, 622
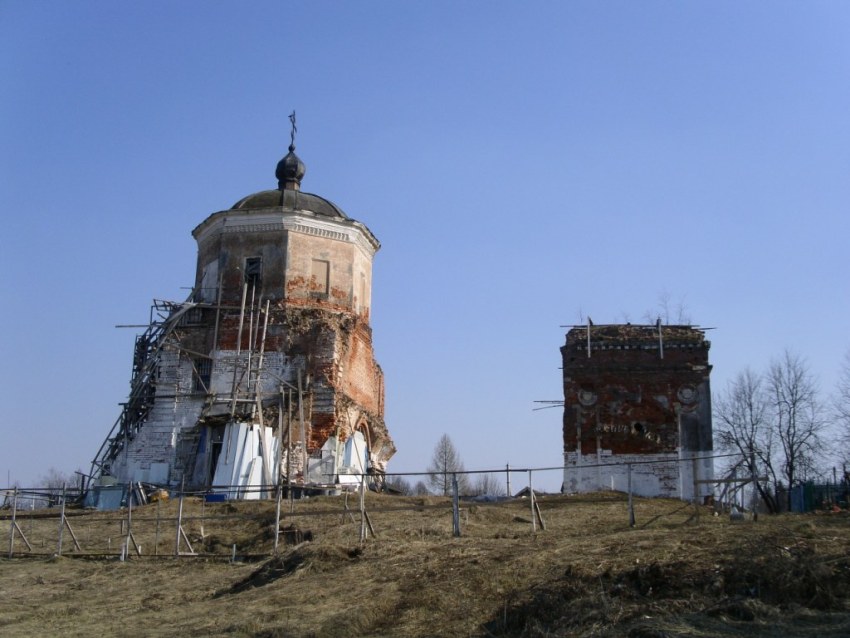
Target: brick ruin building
640, 395
266, 372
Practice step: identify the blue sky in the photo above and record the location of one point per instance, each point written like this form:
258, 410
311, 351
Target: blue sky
524, 165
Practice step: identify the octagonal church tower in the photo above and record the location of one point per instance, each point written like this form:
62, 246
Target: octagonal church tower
266, 373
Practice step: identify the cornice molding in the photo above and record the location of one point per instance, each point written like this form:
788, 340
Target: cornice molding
228, 222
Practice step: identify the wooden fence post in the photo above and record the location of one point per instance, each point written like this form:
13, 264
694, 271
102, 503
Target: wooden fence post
755, 479
277, 515
13, 523
695, 479
631, 502
156, 534
362, 508
129, 518
61, 522
455, 507
179, 525
531, 502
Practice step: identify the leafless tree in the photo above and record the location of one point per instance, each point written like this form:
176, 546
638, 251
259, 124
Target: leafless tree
774, 423
53, 482
667, 311
487, 484
841, 406
744, 428
421, 489
444, 463
399, 485
797, 416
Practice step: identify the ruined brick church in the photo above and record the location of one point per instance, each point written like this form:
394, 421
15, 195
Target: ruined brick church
266, 373
637, 405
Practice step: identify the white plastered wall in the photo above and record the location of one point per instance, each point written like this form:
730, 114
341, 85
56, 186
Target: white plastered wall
668, 475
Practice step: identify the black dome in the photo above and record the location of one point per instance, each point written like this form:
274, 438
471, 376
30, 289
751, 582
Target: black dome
290, 170
290, 199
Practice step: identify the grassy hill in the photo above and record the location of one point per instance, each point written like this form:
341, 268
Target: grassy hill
587, 574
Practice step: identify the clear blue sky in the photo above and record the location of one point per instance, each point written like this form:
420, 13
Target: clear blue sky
523, 164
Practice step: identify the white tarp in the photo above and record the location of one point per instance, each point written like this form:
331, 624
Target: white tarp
241, 468
340, 463
355, 460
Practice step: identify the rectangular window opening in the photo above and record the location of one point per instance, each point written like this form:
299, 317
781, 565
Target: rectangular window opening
203, 372
254, 271
192, 317
320, 277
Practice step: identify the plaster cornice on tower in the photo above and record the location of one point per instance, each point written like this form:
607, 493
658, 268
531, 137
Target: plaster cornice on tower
275, 219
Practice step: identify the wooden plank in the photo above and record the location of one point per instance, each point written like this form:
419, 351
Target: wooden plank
265, 453
23, 538
73, 535
188, 544
369, 523
13, 524
539, 516
132, 538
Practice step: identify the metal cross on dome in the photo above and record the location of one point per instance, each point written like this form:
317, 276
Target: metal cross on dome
294, 129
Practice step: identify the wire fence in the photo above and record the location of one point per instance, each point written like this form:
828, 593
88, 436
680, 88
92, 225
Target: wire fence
267, 517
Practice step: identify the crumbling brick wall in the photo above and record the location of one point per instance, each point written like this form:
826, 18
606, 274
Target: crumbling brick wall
331, 351
642, 394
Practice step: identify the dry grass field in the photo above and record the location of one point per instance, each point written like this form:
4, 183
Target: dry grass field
587, 574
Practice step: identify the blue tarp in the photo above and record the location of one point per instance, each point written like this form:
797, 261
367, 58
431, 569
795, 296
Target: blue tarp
106, 497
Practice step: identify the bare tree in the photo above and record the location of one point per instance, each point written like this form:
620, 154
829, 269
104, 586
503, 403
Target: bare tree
841, 405
667, 311
773, 423
797, 417
488, 484
53, 482
398, 484
444, 463
744, 428
420, 489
